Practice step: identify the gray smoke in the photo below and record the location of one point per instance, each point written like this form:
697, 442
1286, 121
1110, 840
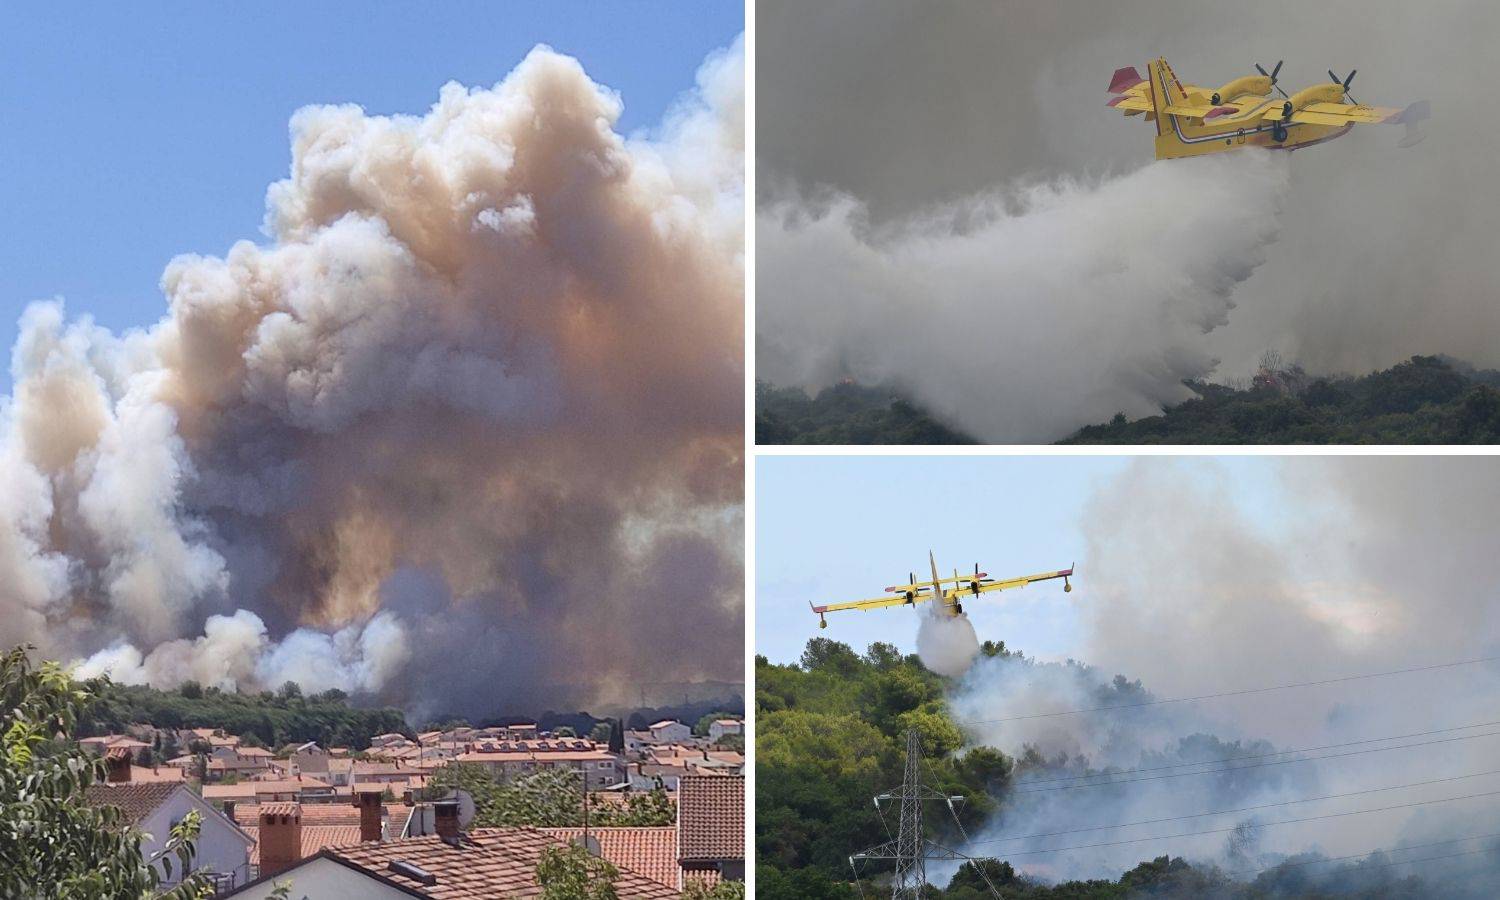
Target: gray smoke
468, 424
901, 111
1346, 566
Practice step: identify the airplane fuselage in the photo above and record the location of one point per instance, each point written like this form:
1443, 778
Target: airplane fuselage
1182, 136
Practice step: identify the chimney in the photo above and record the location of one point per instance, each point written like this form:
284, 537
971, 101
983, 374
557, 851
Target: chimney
280, 837
445, 816
117, 766
369, 815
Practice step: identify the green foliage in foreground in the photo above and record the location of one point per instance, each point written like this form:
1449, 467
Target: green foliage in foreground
1426, 400
572, 873
52, 843
272, 719
845, 414
831, 734
551, 798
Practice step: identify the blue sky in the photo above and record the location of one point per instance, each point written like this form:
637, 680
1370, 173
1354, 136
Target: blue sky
134, 132
833, 528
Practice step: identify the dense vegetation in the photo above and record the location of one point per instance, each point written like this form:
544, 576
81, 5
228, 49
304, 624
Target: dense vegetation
52, 842
271, 719
1425, 400
550, 798
845, 413
830, 735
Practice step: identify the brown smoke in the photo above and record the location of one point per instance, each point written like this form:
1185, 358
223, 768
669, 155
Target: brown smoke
478, 401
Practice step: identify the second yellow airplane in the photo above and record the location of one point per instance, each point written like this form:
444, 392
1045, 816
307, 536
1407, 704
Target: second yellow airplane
952, 597
1192, 120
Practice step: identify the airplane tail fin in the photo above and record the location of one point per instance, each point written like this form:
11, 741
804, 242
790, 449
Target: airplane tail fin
1166, 90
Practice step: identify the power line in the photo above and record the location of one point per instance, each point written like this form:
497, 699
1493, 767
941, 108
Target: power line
1277, 762
1164, 837
1225, 812
1239, 693
1329, 859
1206, 762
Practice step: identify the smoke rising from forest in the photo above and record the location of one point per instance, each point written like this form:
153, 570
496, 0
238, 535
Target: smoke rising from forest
1385, 563
469, 423
881, 167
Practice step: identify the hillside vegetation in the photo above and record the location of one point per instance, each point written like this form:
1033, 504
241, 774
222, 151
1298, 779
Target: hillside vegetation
1425, 400
272, 719
830, 736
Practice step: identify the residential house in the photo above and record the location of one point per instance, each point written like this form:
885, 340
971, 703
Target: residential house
720, 727
711, 828
223, 848
669, 731
510, 759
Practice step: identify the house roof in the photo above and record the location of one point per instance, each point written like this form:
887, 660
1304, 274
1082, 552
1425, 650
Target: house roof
489, 862
664, 723
314, 838
651, 852
711, 817
137, 799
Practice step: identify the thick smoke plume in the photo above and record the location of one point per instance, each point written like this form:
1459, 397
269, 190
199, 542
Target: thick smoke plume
946, 644
469, 424
1028, 314
1383, 253
1335, 567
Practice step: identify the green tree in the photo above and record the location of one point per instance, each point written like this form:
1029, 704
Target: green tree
52, 842
724, 890
572, 873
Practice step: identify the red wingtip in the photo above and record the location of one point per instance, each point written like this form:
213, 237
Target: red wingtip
1124, 79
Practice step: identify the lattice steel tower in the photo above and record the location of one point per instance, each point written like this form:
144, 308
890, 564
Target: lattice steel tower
910, 849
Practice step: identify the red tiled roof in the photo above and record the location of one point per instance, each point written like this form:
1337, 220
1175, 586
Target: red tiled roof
650, 851
323, 813
711, 817
314, 838
490, 862
137, 799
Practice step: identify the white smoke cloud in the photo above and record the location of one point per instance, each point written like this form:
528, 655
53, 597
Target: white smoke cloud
946, 644
479, 345
1384, 252
1342, 566
1022, 316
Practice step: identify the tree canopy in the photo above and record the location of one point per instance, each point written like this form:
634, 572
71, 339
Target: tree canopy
53, 843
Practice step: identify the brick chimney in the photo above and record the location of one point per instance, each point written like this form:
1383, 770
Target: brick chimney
445, 818
280, 837
369, 815
117, 765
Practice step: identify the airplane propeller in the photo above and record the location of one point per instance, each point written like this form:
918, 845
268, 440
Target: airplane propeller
1272, 75
1345, 82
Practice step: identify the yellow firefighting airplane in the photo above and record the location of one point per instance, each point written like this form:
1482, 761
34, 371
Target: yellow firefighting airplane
1191, 120
922, 591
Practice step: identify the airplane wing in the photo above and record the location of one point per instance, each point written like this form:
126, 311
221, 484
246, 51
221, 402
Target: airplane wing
1024, 580
1346, 114
873, 603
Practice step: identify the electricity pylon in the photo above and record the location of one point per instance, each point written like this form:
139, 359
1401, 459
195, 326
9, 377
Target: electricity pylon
909, 849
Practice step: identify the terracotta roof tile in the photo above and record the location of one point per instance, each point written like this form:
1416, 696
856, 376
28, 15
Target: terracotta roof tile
491, 862
137, 799
314, 838
711, 817
651, 852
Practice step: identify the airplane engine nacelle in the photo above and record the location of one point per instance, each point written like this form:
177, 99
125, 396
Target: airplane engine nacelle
1250, 84
1318, 93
